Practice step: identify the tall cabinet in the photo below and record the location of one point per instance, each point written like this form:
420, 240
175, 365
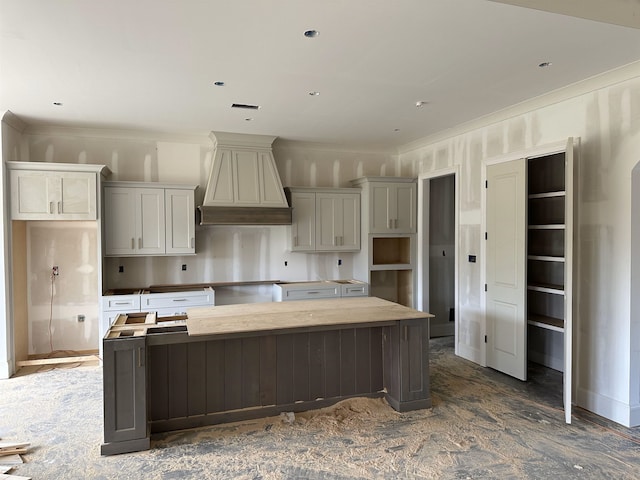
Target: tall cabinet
388, 256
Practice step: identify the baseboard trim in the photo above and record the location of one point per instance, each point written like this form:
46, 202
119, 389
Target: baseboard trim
609, 408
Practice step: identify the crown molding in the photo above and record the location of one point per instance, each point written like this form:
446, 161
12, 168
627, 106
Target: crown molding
14, 121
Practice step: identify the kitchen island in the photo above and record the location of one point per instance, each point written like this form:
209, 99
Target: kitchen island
237, 362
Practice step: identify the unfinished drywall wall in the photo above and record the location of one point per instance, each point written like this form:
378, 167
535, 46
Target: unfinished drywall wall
13, 147
608, 122
55, 302
224, 253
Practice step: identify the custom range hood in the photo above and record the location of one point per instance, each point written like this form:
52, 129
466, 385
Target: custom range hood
244, 187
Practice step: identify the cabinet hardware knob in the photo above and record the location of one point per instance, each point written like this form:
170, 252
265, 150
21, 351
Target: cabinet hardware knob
51, 208
193, 242
139, 243
179, 299
133, 244
59, 209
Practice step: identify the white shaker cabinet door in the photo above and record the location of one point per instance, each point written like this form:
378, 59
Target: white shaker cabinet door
180, 221
45, 195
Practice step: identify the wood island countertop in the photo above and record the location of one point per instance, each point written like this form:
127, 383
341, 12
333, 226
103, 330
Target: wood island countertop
259, 317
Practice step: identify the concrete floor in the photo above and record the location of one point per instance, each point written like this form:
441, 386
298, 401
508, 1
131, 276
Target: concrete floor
482, 425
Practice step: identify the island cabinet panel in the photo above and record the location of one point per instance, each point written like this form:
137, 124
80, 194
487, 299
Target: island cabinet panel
124, 384
189, 382
406, 374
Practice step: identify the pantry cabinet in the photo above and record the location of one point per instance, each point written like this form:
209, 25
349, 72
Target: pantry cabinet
42, 191
148, 219
324, 220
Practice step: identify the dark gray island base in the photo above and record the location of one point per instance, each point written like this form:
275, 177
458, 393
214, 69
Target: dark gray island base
240, 362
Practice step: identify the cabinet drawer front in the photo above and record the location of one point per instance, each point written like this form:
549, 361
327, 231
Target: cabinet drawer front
129, 303
355, 290
311, 293
181, 300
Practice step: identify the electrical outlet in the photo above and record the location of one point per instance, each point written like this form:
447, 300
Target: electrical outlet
55, 271
121, 269
339, 261
184, 267
286, 263
80, 318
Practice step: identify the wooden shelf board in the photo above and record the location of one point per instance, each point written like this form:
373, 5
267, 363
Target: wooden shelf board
550, 226
547, 288
545, 258
391, 266
560, 193
550, 323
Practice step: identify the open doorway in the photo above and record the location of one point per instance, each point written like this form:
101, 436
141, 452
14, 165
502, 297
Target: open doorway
437, 244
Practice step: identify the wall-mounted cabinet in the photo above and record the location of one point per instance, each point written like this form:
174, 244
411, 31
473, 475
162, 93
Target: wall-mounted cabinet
324, 220
148, 219
392, 203
43, 191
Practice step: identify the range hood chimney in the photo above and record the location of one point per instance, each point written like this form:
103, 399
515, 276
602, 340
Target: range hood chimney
244, 187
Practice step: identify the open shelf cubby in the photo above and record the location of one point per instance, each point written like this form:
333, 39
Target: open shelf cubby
391, 251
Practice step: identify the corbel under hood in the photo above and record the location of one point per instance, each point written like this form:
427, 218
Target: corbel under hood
244, 187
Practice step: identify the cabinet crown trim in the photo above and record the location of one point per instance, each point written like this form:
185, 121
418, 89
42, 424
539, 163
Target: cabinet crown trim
121, 183
59, 167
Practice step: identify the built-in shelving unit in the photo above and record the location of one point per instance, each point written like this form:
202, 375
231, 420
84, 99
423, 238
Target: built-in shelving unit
546, 258
387, 260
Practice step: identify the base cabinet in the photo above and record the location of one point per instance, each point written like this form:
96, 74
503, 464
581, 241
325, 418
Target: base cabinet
407, 374
125, 396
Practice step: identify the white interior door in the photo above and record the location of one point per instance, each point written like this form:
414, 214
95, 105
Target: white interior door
506, 320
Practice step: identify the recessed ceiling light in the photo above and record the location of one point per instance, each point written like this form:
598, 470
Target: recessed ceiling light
545, 64
248, 119
421, 103
57, 104
314, 94
219, 84
311, 33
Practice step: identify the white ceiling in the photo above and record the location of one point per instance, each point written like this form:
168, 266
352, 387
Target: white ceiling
150, 64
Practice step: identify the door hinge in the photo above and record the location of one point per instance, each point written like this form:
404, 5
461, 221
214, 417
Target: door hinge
486, 184
485, 287
485, 339
486, 236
